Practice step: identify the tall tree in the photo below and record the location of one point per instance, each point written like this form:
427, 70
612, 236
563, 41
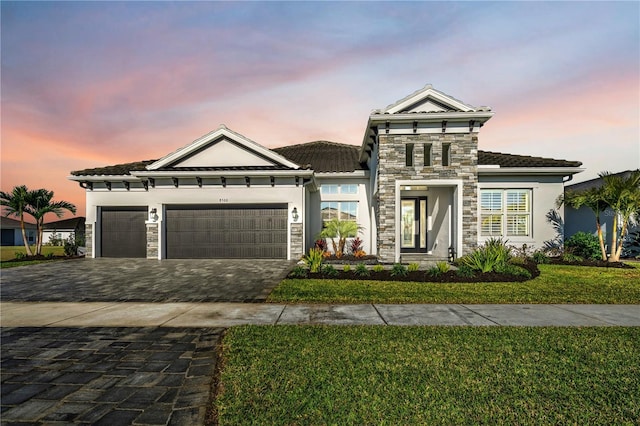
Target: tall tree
15, 203
39, 203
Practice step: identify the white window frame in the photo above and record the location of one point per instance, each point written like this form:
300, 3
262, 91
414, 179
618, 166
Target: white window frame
502, 217
339, 209
329, 188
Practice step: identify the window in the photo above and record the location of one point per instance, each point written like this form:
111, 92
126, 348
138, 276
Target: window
409, 154
505, 212
329, 189
446, 154
343, 210
339, 189
427, 154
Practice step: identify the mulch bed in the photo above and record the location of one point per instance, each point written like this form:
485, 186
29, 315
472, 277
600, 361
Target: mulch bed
423, 276
41, 257
589, 262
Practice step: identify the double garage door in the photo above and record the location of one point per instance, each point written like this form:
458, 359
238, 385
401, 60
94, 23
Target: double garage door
201, 232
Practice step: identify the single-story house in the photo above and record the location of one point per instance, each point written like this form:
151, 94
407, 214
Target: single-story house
11, 233
583, 219
418, 187
61, 230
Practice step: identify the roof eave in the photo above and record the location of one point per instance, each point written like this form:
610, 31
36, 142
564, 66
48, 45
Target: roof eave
557, 171
354, 174
218, 173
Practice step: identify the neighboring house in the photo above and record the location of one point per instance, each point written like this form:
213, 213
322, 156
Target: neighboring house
583, 219
418, 187
11, 232
63, 229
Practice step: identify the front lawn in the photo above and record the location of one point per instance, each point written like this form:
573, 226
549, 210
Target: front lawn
429, 375
8, 254
556, 284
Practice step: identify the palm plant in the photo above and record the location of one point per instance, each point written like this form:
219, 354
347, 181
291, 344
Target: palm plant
340, 230
15, 203
620, 193
39, 203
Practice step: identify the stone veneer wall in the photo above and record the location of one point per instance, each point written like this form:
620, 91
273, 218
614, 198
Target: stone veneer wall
88, 239
152, 240
391, 161
297, 243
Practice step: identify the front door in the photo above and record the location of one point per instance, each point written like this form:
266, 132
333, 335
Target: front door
413, 225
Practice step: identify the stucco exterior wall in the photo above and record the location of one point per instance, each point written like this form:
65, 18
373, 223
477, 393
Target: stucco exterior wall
545, 190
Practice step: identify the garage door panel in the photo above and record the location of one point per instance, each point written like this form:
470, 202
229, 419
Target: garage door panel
123, 232
226, 232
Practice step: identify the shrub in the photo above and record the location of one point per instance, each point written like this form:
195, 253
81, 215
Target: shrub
321, 244
346, 268
485, 258
361, 270
299, 272
540, 257
568, 256
465, 271
314, 260
399, 270
360, 254
20, 255
439, 269
515, 270
413, 267
378, 268
356, 245
584, 245
329, 271
631, 245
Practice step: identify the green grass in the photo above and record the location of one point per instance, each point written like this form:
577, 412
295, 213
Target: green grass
9, 253
556, 284
429, 375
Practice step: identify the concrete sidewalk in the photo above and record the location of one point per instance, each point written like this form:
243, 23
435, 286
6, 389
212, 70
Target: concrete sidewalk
111, 314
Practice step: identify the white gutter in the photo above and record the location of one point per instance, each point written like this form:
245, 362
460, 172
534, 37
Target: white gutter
354, 174
225, 173
103, 178
493, 170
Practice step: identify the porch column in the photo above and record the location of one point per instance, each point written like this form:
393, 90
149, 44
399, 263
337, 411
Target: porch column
297, 245
152, 240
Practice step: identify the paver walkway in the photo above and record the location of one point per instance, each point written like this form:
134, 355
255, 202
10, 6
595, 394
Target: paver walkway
107, 376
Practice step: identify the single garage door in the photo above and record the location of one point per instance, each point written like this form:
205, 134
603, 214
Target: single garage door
237, 231
123, 232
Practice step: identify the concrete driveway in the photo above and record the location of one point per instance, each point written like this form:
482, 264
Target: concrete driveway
144, 280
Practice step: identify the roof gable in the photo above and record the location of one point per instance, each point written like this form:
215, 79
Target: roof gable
222, 148
488, 158
428, 99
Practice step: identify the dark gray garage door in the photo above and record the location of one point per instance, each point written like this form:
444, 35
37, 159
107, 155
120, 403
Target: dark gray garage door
123, 232
226, 232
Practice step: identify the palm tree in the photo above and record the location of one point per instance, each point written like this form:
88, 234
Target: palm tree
340, 229
622, 195
15, 203
39, 203
593, 199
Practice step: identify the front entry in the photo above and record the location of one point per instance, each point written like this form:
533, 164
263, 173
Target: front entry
413, 225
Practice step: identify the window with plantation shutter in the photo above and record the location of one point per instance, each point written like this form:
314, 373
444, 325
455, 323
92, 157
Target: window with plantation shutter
505, 212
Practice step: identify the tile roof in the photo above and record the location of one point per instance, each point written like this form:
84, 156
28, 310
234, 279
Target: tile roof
8, 223
116, 170
488, 158
324, 156
327, 157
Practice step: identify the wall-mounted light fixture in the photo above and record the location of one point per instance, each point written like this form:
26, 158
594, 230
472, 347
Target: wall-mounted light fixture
153, 215
294, 214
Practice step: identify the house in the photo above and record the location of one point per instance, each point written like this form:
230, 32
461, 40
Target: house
61, 230
418, 187
583, 219
11, 232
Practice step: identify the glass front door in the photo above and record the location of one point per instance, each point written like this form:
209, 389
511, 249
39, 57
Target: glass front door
413, 224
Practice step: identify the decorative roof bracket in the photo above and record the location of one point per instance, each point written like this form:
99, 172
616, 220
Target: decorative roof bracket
199, 180
175, 181
444, 126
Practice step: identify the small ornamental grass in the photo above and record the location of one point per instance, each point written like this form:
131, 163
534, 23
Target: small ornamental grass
487, 257
439, 269
398, 270
362, 270
314, 260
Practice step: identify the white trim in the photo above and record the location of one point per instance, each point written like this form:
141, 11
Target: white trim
211, 136
531, 171
218, 173
104, 178
354, 174
428, 92
431, 116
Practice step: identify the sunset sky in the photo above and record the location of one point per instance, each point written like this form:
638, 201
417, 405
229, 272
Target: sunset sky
89, 84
